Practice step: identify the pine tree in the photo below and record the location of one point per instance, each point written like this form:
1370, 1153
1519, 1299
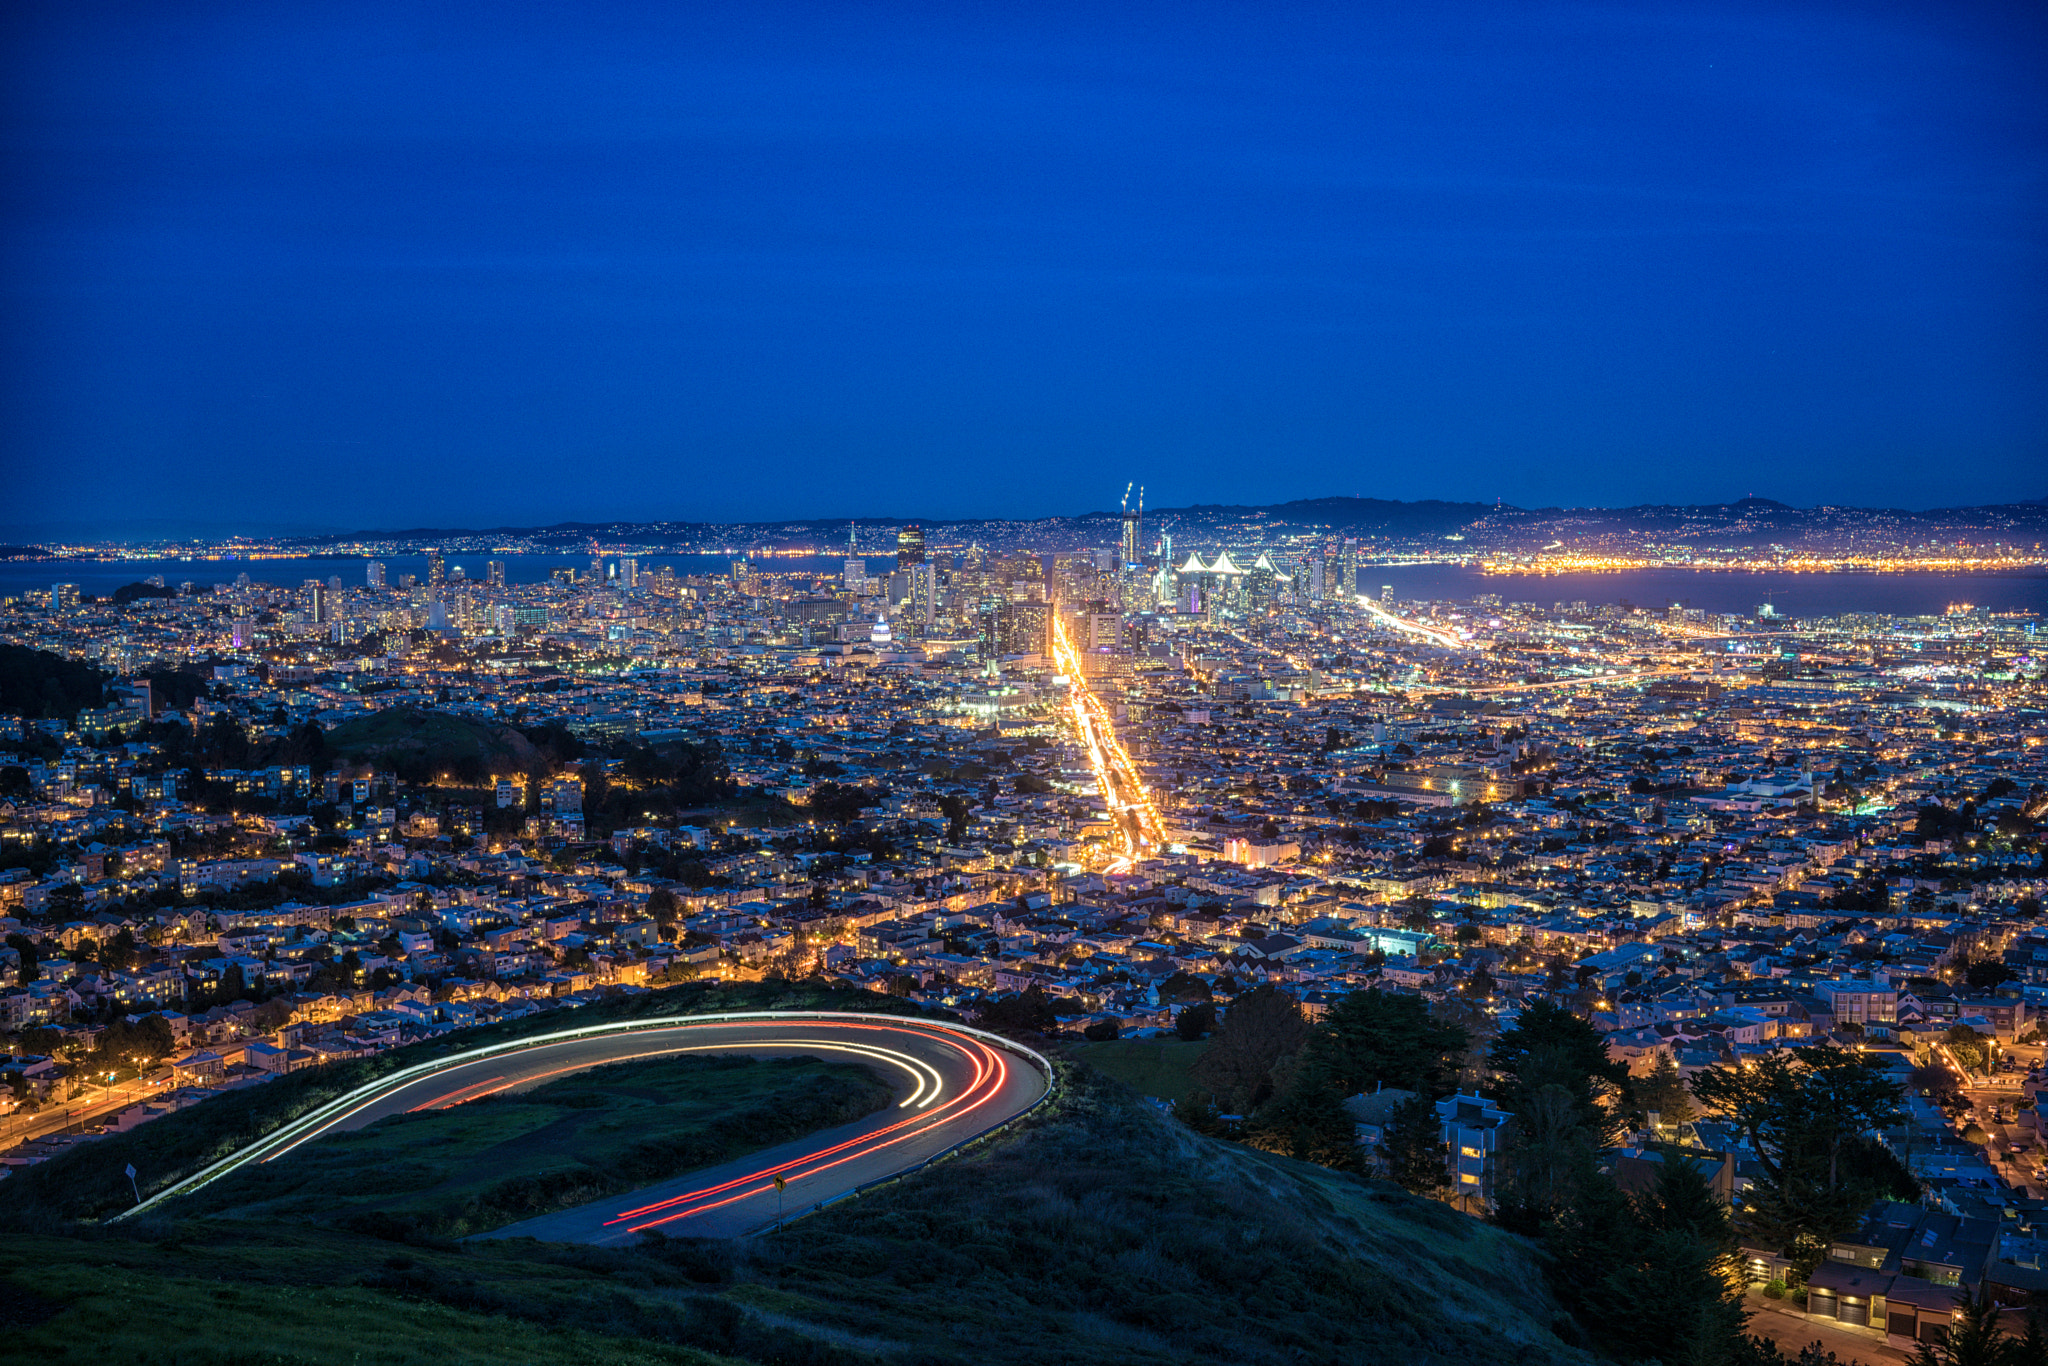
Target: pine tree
1413, 1148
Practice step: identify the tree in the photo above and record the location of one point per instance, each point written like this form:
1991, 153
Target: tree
1664, 1092
26, 947
1307, 1121
1550, 1046
1967, 1046
1805, 1115
1195, 1022
955, 810
1413, 1148
1102, 1031
1373, 1038
1987, 974
1030, 1011
1263, 1028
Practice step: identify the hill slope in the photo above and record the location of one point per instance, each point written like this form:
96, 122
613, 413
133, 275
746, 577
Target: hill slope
1102, 1233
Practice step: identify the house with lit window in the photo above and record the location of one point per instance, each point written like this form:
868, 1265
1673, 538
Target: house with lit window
1474, 1132
1903, 1270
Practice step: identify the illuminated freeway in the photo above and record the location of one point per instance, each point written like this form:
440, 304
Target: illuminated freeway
951, 1083
1140, 833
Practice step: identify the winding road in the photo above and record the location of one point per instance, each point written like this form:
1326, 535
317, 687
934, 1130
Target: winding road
952, 1083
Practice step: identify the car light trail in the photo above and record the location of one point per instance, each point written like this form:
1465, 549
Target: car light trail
927, 1083
1413, 628
992, 1072
1140, 832
961, 1082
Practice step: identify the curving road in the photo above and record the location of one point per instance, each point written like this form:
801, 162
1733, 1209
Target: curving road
951, 1084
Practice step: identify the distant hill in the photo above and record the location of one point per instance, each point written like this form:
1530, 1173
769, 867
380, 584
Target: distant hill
419, 745
1378, 518
37, 683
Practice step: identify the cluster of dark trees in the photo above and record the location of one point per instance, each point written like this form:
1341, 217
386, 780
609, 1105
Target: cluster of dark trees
1640, 1269
36, 683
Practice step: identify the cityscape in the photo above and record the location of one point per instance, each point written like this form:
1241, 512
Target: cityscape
780, 684
258, 829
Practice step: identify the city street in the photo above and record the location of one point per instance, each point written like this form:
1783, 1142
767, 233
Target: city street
1784, 1323
81, 1112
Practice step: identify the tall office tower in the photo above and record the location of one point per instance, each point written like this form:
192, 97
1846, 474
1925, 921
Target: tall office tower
854, 575
374, 571
629, 573
742, 577
924, 592
496, 571
910, 546
437, 569
1315, 579
63, 595
1025, 629
1386, 595
437, 615
316, 601
334, 584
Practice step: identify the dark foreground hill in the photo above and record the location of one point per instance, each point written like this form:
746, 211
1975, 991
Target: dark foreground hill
1101, 1232
1105, 1234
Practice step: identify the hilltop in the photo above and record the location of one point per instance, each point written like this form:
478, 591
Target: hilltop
1099, 1232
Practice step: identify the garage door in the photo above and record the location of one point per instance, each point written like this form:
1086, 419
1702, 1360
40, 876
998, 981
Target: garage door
1820, 1302
1855, 1311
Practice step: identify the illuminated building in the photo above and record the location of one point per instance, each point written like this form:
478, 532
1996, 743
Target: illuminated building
374, 572
495, 569
910, 546
629, 572
437, 569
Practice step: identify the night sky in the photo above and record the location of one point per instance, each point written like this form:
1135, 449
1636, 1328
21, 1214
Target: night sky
376, 265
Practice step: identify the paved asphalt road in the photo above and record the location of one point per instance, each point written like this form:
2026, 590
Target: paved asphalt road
950, 1084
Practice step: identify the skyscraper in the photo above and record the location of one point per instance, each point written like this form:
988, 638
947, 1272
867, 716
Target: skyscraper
629, 573
375, 573
496, 569
910, 546
437, 569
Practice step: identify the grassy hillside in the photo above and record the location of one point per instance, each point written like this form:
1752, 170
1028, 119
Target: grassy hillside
505, 1158
1100, 1233
1151, 1067
430, 738
87, 1182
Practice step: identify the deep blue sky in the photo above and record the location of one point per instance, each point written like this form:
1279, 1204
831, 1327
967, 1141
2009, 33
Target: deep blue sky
379, 264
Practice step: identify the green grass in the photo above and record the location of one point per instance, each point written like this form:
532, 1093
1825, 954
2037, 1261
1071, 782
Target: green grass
1100, 1234
502, 1159
87, 1182
1151, 1067
434, 737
